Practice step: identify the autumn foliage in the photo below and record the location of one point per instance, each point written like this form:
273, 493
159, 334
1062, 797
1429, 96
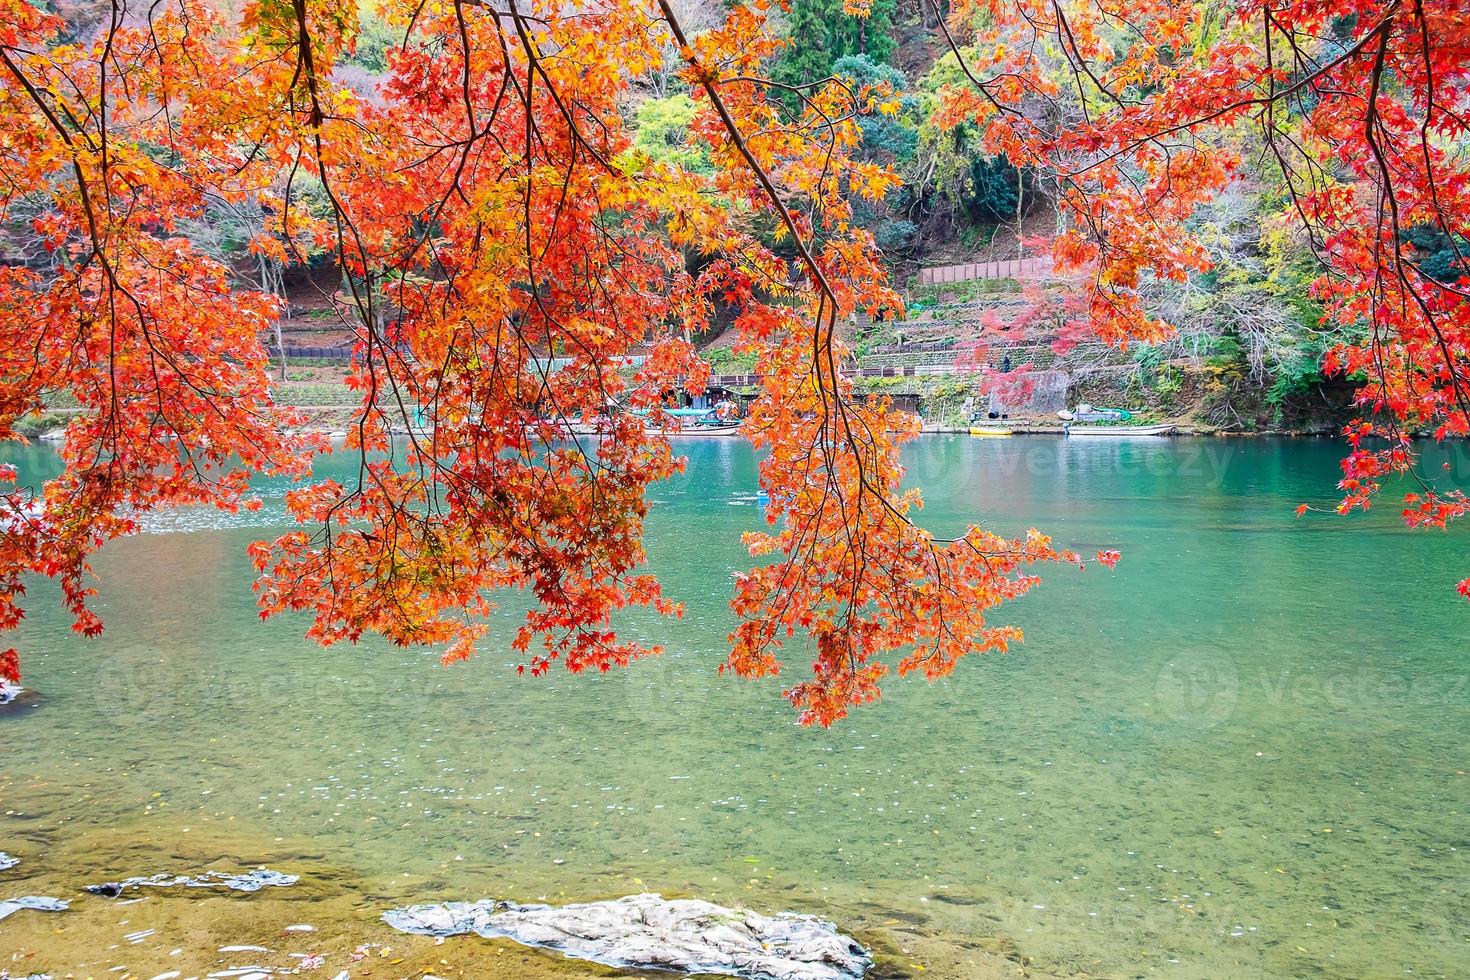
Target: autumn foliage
1142, 111
506, 249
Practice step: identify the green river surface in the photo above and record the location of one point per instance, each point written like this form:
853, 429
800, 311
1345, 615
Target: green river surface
1241, 753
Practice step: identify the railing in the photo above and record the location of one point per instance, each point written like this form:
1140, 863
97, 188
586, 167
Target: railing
1028, 268
905, 371
323, 353
345, 354
906, 364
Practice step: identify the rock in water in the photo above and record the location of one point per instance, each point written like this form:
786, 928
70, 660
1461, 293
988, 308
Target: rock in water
248, 881
7, 862
40, 903
648, 932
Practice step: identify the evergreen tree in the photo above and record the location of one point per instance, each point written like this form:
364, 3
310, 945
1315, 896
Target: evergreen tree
820, 33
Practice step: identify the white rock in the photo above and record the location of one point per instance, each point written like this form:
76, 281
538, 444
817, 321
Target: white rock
38, 903
647, 931
247, 881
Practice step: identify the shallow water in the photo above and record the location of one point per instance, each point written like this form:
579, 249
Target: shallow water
1241, 753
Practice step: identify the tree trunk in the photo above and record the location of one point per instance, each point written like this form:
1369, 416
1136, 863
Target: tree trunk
272, 278
1020, 196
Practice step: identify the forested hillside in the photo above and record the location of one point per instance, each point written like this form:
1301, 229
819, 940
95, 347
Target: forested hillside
1248, 340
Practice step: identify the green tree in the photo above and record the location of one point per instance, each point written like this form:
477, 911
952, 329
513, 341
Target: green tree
952, 171
1440, 257
374, 37
820, 33
663, 133
886, 139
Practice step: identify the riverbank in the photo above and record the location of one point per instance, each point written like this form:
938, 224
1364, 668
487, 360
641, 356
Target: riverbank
331, 920
1191, 401
335, 421
335, 418
1024, 428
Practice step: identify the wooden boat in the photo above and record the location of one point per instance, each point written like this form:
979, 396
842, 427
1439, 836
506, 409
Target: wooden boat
706, 431
695, 422
989, 432
686, 430
1163, 429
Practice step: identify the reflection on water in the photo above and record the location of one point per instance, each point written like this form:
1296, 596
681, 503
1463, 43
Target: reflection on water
1241, 752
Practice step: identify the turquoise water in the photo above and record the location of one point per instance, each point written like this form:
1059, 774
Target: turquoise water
1241, 753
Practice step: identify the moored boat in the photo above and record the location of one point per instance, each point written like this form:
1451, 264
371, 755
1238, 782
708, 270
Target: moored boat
687, 428
712, 429
1163, 429
702, 422
1090, 413
989, 432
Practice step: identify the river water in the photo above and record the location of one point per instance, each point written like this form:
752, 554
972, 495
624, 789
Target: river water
1241, 753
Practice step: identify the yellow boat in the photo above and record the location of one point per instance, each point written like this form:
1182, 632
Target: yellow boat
989, 431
